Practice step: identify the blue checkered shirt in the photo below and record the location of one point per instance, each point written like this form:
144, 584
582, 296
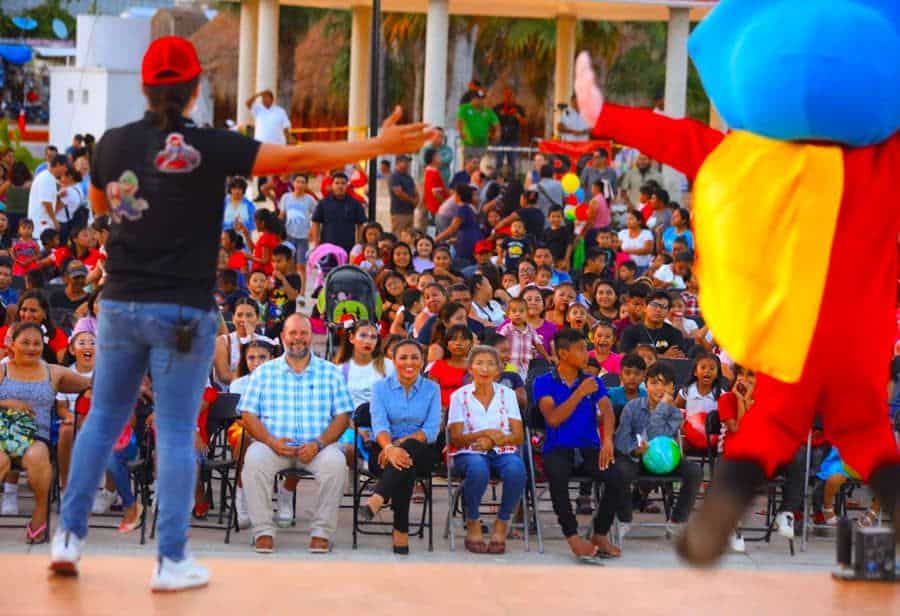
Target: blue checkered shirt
298, 406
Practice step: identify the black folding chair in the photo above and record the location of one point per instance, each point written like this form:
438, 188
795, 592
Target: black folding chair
364, 481
218, 465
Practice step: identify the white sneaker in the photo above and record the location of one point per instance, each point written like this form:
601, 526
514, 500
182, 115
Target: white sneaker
65, 552
240, 504
737, 543
171, 576
10, 503
285, 514
674, 530
103, 501
784, 524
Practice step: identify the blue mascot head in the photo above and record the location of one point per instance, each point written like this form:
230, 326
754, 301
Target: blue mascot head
824, 70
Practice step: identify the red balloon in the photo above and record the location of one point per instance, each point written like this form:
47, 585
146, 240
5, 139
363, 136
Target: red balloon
581, 212
694, 430
572, 199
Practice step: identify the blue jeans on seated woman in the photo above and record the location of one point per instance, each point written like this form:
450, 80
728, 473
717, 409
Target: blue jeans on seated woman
118, 470
134, 338
476, 469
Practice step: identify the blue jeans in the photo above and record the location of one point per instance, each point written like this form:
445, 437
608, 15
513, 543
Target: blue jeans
476, 469
133, 338
117, 467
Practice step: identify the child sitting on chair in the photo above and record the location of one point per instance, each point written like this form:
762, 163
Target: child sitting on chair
644, 419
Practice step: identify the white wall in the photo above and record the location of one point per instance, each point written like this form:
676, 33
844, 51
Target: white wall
125, 102
76, 114
111, 42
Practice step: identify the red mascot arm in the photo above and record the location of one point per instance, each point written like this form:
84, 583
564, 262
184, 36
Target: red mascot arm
681, 144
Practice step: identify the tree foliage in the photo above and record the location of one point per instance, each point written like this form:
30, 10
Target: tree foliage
44, 15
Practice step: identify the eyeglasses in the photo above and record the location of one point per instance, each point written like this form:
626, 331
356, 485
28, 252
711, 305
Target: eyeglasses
658, 305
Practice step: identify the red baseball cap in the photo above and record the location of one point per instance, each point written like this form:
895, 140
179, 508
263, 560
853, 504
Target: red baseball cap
168, 60
484, 246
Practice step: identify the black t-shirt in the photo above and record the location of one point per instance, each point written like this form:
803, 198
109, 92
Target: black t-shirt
165, 204
509, 123
533, 219
558, 240
661, 339
280, 307
59, 299
406, 183
339, 218
515, 250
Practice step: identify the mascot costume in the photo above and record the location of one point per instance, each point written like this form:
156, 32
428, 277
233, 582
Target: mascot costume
797, 261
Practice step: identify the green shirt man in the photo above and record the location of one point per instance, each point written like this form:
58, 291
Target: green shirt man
476, 123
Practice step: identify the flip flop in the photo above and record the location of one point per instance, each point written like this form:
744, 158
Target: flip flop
496, 547
597, 560
127, 528
31, 536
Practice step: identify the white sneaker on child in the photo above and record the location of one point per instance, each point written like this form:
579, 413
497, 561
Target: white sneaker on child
103, 501
784, 524
10, 500
171, 576
240, 504
285, 512
65, 552
737, 543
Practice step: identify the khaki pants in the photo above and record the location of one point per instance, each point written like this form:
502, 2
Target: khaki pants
399, 222
261, 464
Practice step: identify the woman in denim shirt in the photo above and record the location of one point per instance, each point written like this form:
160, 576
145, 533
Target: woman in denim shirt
406, 418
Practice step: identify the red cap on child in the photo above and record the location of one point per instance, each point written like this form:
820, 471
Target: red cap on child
170, 60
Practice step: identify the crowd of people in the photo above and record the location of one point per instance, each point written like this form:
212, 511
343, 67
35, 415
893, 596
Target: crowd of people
482, 278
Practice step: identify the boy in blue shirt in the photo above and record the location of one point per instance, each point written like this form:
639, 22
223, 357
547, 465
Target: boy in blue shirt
642, 420
631, 377
574, 405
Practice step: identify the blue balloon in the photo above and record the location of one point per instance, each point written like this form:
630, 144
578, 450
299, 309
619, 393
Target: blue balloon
59, 28
810, 70
579, 194
662, 456
15, 54
24, 23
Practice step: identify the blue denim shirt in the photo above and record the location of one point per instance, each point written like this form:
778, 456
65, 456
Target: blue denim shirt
399, 414
637, 418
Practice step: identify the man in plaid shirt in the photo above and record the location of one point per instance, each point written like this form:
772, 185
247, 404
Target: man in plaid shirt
295, 408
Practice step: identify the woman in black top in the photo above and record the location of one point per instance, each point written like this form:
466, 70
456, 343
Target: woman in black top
160, 180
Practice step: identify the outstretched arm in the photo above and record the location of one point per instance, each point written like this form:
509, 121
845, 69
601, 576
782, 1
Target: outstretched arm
682, 144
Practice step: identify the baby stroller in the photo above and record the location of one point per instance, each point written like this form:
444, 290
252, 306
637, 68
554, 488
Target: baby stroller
349, 295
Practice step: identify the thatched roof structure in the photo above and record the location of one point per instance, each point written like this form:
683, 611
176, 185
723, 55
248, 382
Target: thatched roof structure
176, 22
217, 45
313, 103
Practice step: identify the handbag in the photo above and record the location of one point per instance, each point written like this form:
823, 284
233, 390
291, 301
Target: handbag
17, 432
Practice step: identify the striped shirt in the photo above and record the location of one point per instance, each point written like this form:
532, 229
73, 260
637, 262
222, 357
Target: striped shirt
293, 405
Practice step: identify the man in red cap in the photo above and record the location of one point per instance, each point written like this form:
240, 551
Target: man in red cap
157, 312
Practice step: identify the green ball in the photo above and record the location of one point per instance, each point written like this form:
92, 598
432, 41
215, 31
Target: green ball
662, 456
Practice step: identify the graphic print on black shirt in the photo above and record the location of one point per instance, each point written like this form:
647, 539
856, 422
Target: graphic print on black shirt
166, 252
280, 307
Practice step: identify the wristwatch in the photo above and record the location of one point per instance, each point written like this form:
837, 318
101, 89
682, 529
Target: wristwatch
320, 444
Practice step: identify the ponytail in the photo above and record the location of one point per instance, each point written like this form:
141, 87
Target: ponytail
169, 102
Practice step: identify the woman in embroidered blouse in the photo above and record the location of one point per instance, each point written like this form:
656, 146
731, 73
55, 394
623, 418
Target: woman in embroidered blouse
406, 418
485, 433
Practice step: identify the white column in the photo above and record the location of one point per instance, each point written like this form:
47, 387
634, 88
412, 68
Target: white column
267, 46
247, 58
434, 98
563, 81
677, 62
360, 48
